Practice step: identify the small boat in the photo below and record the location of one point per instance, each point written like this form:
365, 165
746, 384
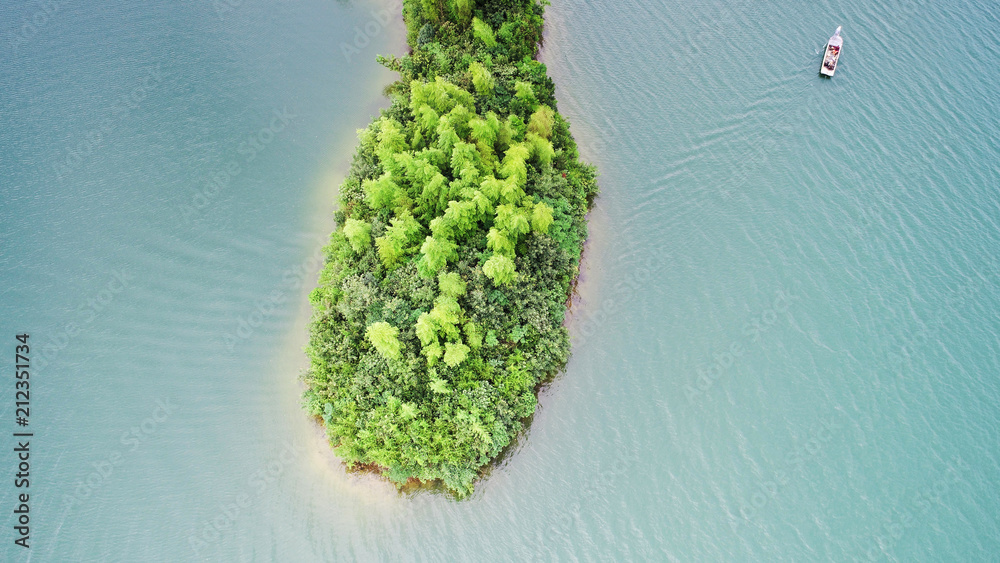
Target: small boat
832, 54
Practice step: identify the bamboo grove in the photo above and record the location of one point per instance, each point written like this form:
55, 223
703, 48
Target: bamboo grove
461, 224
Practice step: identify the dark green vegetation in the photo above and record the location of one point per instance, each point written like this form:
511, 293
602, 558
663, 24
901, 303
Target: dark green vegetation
440, 308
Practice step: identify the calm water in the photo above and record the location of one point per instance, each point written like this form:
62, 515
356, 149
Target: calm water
785, 343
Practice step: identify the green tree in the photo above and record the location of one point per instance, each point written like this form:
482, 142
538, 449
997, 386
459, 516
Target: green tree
390, 138
473, 335
517, 127
492, 188
512, 220
434, 196
485, 131
461, 215
447, 137
465, 160
526, 93
483, 33
432, 352
542, 121
484, 207
408, 411
431, 10
541, 217
426, 329
446, 311
459, 117
463, 11
541, 148
514, 165
439, 386
500, 269
426, 34
398, 239
359, 233
443, 227
482, 79
455, 353
428, 118
384, 337
436, 254
451, 284
499, 242
384, 193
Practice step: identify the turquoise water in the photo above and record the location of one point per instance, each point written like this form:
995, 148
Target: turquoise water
785, 338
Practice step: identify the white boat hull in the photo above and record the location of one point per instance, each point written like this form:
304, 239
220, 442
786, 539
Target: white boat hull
831, 55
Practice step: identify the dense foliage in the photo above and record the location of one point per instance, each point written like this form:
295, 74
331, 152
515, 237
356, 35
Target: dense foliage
440, 308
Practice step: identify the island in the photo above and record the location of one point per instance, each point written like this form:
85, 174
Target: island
440, 308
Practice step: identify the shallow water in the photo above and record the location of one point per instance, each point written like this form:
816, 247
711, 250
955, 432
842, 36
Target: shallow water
785, 342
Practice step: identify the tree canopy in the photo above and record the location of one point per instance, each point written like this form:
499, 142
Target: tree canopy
439, 309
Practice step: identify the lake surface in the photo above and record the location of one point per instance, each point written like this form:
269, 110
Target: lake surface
785, 343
